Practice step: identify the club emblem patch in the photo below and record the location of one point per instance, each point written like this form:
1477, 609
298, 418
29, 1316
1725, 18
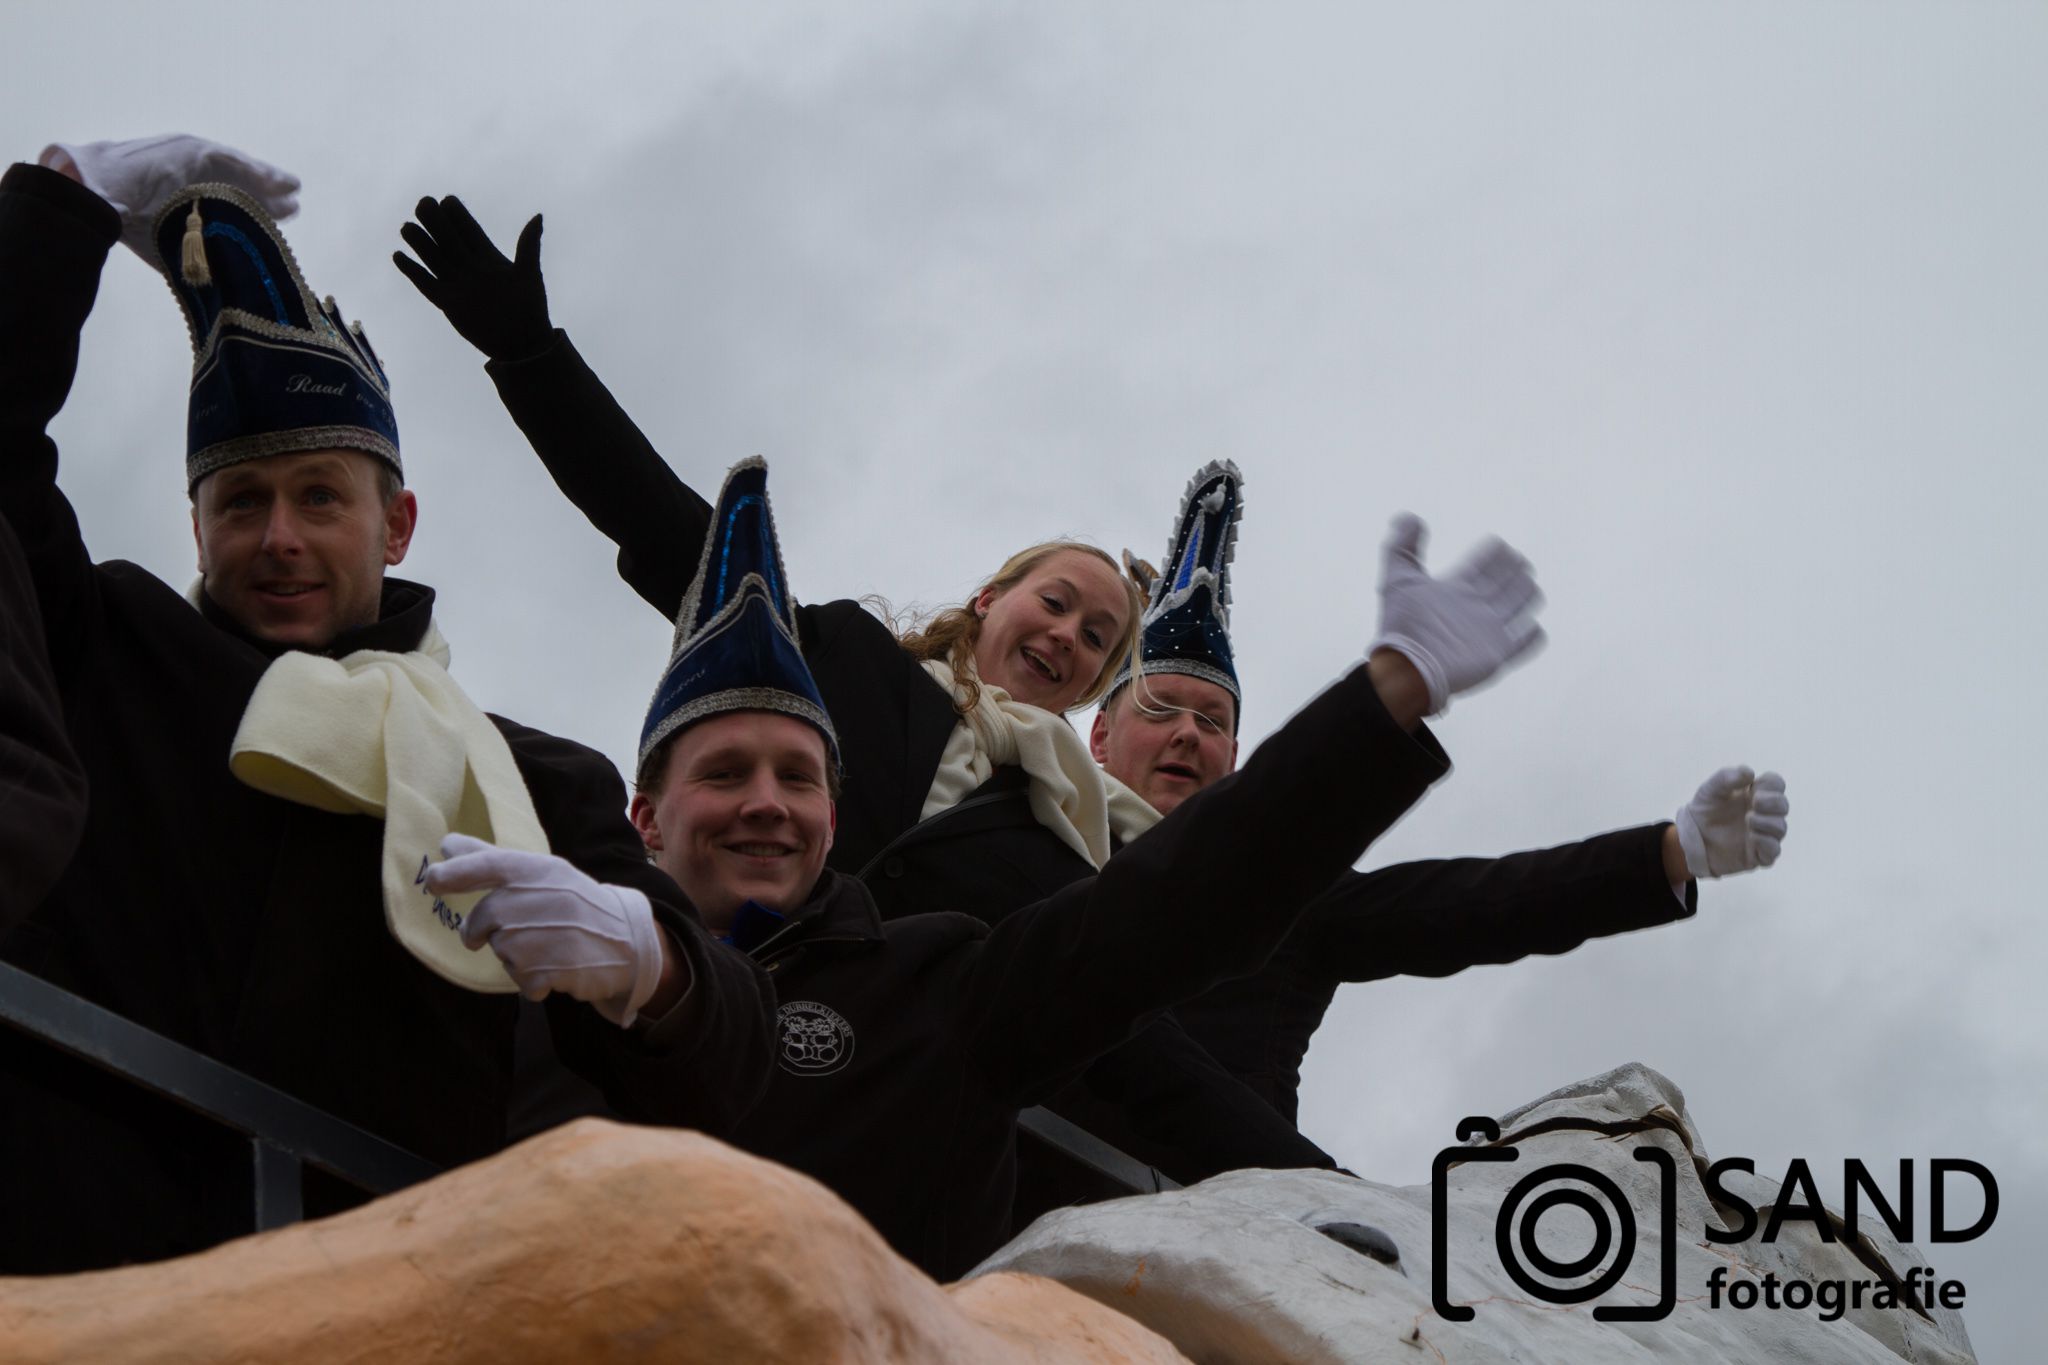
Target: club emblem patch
816, 1040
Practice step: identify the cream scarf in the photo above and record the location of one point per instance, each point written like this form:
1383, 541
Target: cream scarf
393, 736
1070, 795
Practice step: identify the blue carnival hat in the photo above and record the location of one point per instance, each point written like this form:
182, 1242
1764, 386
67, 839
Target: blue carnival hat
736, 643
274, 371
1187, 619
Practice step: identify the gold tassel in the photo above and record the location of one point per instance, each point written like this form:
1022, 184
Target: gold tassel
195, 267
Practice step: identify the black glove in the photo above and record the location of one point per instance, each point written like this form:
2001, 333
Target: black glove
499, 306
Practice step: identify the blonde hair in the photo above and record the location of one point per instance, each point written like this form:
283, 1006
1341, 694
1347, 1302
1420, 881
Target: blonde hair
951, 633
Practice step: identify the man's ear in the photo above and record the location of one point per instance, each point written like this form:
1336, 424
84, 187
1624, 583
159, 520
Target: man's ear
400, 520
198, 545
641, 813
1233, 753
1098, 735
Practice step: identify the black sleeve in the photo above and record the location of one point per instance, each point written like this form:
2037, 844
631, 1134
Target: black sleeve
54, 239
603, 463
42, 787
1205, 895
711, 1064
1438, 918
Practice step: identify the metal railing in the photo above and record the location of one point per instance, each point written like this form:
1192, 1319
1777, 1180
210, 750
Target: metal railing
285, 1135
1125, 1174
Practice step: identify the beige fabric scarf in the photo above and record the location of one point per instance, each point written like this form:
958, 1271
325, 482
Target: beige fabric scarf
1070, 795
392, 736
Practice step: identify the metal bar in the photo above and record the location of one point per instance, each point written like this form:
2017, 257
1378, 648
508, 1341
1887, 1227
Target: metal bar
280, 1198
1091, 1151
200, 1083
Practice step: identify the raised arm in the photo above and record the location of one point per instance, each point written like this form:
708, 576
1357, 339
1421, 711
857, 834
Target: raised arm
54, 239
598, 458
58, 220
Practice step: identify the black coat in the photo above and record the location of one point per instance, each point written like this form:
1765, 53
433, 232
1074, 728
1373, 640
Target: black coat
987, 856
42, 786
909, 1045
247, 927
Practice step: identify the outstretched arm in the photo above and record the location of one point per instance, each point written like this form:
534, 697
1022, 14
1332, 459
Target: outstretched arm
598, 458
1438, 918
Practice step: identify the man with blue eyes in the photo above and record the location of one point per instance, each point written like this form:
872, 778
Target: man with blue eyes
294, 547
273, 758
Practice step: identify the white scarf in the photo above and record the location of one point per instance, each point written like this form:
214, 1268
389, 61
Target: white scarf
1070, 794
392, 735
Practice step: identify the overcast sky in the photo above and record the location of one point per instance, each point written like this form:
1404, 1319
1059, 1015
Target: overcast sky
1731, 317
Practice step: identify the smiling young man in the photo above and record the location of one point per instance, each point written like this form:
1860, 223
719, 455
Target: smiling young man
246, 883
1173, 732
909, 1046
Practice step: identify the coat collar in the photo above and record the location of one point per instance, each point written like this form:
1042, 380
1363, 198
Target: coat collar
840, 910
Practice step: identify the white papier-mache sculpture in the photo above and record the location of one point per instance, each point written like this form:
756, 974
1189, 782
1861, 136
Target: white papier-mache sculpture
1312, 1267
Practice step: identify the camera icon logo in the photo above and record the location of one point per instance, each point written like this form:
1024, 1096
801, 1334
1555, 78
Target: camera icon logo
1614, 1235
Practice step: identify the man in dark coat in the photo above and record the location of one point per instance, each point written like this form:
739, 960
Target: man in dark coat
908, 1046
250, 927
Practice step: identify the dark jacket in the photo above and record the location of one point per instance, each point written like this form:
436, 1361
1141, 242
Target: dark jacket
244, 926
985, 857
910, 1044
42, 786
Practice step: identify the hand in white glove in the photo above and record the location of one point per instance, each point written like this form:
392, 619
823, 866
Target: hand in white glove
1461, 629
1735, 822
139, 176
554, 928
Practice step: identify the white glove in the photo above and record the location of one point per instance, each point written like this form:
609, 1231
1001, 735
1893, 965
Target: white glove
139, 176
554, 928
1461, 629
1735, 822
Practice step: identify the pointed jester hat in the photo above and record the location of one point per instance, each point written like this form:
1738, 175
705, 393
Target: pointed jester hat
736, 641
1187, 617
275, 371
